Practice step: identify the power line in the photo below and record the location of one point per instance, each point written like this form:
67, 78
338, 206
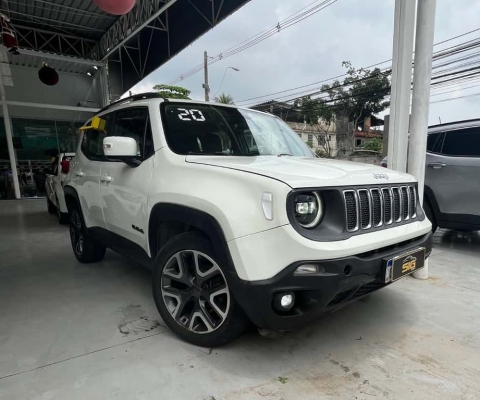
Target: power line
285, 24
382, 93
456, 98
440, 52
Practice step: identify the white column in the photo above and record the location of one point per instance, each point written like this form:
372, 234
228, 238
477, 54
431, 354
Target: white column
104, 86
8, 132
421, 98
404, 26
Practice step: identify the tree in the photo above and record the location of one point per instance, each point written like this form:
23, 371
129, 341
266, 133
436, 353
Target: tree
224, 99
172, 92
320, 118
374, 144
346, 105
361, 94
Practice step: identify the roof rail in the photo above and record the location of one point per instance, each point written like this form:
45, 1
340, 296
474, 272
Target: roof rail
135, 97
455, 123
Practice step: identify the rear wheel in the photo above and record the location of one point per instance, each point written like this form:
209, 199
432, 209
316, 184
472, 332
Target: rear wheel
84, 247
192, 293
428, 212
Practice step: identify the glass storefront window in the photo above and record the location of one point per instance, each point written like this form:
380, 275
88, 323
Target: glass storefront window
37, 142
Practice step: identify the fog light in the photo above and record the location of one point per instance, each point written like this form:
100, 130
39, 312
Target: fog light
284, 301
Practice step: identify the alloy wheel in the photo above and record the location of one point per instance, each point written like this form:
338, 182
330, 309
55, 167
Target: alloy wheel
76, 232
195, 291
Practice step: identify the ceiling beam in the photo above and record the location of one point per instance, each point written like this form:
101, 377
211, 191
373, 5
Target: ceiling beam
51, 56
47, 41
130, 24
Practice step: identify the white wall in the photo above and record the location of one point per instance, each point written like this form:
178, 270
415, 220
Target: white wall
71, 90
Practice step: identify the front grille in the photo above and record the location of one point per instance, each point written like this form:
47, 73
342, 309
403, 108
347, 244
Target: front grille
355, 293
368, 288
372, 208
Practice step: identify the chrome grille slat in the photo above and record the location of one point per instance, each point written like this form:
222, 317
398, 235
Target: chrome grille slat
377, 207
370, 208
365, 209
387, 202
396, 204
405, 203
413, 201
351, 209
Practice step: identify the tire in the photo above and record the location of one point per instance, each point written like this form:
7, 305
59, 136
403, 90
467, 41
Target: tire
429, 214
193, 297
51, 207
84, 247
62, 217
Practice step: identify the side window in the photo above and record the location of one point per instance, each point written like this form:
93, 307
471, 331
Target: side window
434, 142
135, 123
92, 141
462, 143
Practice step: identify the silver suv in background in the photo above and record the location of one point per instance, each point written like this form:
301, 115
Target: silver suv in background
452, 175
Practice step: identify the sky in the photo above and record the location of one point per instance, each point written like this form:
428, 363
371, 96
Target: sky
359, 31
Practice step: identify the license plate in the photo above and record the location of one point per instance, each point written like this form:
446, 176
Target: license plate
404, 264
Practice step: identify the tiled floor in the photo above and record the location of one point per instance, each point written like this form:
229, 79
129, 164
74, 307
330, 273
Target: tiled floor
73, 331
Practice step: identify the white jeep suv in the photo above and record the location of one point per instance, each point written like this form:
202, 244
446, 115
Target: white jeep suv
235, 217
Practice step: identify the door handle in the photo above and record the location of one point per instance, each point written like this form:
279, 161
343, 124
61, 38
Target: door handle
437, 165
79, 173
106, 178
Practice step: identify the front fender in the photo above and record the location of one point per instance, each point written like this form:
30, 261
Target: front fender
233, 198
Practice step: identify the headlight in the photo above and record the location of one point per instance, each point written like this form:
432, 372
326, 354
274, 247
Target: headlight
308, 209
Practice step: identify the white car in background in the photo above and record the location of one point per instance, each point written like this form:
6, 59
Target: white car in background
54, 186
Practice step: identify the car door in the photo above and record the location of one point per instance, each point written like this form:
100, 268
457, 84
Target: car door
124, 188
50, 181
453, 174
86, 179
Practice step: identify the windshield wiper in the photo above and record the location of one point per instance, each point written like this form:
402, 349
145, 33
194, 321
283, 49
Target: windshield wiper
200, 153
284, 154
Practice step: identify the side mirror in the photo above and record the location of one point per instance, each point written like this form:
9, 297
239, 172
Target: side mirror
65, 166
121, 148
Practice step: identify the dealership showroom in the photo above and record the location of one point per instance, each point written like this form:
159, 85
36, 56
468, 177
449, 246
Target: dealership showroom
79, 322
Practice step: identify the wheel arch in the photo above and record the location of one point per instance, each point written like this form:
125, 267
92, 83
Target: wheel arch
180, 219
71, 197
429, 197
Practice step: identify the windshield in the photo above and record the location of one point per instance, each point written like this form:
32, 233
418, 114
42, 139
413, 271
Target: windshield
212, 129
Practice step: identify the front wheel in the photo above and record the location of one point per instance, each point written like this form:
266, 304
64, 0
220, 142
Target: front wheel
192, 294
84, 247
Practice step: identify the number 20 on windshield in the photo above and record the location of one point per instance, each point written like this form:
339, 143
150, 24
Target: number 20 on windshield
190, 115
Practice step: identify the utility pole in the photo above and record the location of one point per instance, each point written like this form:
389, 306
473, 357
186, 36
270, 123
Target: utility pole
205, 71
421, 99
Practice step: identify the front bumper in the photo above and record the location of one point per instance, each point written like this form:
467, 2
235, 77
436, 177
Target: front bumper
317, 294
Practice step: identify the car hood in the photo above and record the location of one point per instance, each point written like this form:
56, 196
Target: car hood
300, 172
